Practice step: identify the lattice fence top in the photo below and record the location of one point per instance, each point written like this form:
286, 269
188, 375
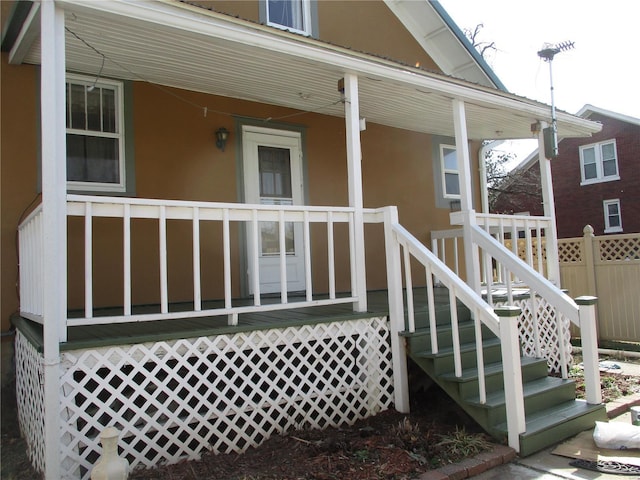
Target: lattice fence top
626, 248
570, 251
175, 400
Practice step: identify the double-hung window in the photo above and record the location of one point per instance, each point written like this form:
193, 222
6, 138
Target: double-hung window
599, 162
612, 216
294, 15
95, 135
450, 171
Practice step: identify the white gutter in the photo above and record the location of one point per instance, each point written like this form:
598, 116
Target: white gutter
203, 22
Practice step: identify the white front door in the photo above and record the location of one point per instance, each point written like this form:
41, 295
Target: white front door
273, 176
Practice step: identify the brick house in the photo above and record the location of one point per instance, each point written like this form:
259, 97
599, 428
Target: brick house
593, 178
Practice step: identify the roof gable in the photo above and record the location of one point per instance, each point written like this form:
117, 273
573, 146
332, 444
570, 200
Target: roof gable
442, 39
588, 110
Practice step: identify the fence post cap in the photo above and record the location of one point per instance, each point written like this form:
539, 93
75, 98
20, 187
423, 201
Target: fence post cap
586, 300
507, 311
588, 230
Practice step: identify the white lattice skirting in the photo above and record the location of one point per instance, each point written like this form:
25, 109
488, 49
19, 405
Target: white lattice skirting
226, 393
548, 332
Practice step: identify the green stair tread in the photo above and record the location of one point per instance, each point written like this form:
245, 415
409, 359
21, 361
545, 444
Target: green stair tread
421, 331
471, 374
465, 347
535, 387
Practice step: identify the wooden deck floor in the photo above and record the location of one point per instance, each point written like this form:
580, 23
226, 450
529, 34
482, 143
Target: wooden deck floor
165, 330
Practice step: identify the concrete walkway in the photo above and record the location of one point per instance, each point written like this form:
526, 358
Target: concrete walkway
502, 462
546, 466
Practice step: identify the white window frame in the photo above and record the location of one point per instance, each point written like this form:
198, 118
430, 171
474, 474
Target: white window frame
120, 128
600, 177
306, 19
445, 170
607, 226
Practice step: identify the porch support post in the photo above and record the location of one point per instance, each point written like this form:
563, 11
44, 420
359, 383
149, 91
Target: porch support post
354, 164
396, 312
553, 266
54, 222
471, 257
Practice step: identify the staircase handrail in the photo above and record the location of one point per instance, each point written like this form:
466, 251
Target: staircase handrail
504, 326
448, 278
534, 280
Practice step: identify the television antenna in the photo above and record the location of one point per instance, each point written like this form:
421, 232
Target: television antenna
547, 53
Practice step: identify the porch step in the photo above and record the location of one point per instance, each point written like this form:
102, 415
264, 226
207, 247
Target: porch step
551, 409
555, 424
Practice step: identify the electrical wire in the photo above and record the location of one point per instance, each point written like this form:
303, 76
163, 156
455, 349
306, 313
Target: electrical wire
205, 109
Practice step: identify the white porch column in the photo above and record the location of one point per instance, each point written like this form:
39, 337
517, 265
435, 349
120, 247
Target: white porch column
52, 92
471, 259
553, 266
354, 163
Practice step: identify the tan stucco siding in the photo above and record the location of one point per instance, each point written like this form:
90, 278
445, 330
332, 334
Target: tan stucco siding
18, 168
176, 158
364, 25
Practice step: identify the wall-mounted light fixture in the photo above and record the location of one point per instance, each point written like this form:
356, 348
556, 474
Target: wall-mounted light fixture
222, 134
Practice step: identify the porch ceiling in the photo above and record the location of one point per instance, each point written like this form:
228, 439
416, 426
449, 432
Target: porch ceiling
178, 45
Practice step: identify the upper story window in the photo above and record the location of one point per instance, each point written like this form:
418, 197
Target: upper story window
95, 138
612, 216
450, 171
294, 15
599, 162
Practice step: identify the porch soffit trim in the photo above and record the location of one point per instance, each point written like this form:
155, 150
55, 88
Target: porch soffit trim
198, 21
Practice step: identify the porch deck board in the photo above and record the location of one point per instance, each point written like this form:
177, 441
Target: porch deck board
95, 336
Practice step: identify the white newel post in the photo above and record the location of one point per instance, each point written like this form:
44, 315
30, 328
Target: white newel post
396, 312
513, 391
553, 266
471, 256
589, 336
54, 221
354, 167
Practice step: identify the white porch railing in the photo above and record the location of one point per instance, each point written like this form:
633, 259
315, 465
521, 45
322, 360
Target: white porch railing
31, 248
129, 209
401, 247
526, 236
197, 213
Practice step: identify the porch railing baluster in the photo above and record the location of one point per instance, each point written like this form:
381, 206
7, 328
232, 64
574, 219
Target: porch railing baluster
408, 282
226, 247
88, 261
283, 257
255, 256
197, 292
126, 231
331, 256
306, 235
162, 233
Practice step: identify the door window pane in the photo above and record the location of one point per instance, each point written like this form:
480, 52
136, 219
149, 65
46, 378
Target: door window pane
275, 172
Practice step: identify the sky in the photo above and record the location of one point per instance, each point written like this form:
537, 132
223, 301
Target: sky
603, 68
